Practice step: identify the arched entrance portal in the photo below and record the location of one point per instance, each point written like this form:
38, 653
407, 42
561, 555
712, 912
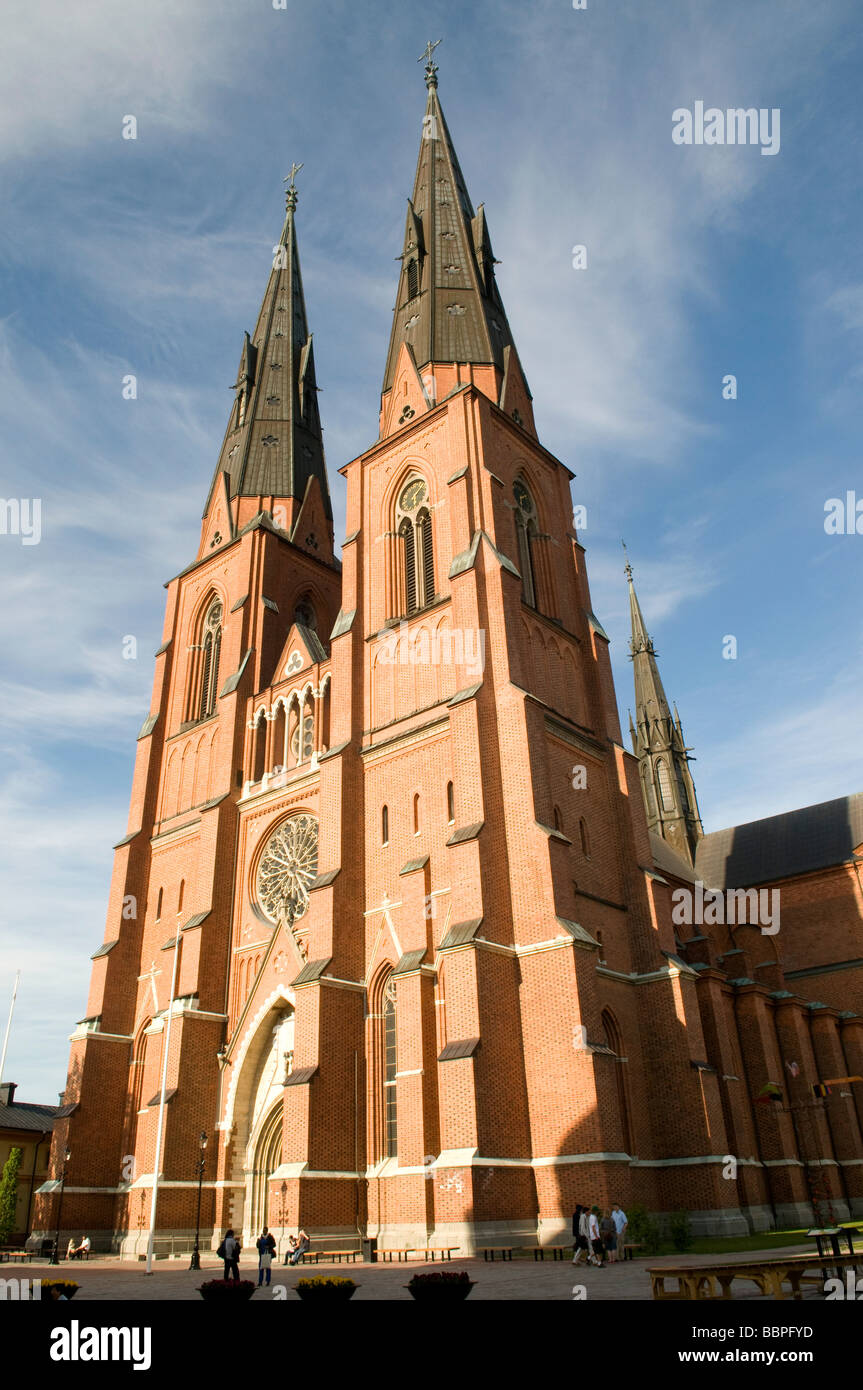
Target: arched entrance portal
255, 1109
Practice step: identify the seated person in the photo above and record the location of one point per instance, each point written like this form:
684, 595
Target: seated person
302, 1245
71, 1248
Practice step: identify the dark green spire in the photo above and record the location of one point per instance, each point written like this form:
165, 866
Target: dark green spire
448, 307
273, 444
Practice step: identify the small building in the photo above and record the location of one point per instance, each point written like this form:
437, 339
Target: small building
28, 1127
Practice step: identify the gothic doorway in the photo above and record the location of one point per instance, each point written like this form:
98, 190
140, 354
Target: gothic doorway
254, 1111
268, 1156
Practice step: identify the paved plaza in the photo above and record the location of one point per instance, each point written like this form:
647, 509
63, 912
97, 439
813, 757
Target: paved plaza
520, 1279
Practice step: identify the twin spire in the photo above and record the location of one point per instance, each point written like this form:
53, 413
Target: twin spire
448, 310
273, 445
448, 307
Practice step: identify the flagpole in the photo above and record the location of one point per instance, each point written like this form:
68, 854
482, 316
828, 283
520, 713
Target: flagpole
161, 1127
9, 1023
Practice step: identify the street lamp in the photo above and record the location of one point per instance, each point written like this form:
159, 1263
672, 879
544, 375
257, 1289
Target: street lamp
283, 1209
55, 1254
196, 1253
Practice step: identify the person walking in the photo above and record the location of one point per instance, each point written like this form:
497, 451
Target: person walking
266, 1250
579, 1231
596, 1246
618, 1216
608, 1235
230, 1253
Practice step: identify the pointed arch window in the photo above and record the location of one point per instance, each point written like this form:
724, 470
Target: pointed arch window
416, 547
584, 836
385, 825
303, 736
211, 646
614, 1041
526, 532
666, 791
390, 1068
304, 614
450, 803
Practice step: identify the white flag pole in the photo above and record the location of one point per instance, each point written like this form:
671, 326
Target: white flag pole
9, 1023
161, 1126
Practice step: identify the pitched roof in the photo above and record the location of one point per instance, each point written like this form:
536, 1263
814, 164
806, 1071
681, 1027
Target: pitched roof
797, 842
23, 1115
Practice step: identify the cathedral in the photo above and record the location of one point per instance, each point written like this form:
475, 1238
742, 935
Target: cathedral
395, 920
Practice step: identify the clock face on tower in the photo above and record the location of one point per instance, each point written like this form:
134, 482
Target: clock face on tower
288, 865
412, 495
522, 497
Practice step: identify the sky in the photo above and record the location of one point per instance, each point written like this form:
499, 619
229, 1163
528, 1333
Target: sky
150, 257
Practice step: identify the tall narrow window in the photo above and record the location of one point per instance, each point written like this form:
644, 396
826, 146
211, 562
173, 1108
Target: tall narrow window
303, 736
613, 1039
585, 838
409, 565
413, 278
159, 904
180, 896
416, 546
416, 813
385, 825
390, 1067
211, 644
558, 822
450, 802
526, 530
425, 556
666, 791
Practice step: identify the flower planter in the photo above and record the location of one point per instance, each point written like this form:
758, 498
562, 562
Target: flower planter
64, 1285
439, 1287
227, 1290
326, 1290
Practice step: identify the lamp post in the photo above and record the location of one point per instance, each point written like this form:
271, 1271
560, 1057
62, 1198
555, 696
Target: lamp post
283, 1209
196, 1253
55, 1259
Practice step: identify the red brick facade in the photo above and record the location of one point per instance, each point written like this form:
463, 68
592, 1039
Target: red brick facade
501, 924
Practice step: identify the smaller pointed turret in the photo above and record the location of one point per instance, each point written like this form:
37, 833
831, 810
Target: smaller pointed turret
667, 787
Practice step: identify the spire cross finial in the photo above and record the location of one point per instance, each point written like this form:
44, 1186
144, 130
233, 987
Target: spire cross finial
291, 191
431, 65
628, 569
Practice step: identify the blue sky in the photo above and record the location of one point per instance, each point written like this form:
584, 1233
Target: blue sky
150, 257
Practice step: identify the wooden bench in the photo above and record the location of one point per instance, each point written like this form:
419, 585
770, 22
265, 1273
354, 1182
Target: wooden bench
400, 1254
628, 1248
490, 1251
308, 1257
445, 1252
336, 1256
698, 1282
558, 1252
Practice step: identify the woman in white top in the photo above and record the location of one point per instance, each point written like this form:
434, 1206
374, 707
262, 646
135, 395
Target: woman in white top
596, 1246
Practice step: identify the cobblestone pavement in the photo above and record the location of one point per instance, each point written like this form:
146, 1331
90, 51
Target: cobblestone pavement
520, 1279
